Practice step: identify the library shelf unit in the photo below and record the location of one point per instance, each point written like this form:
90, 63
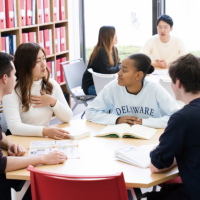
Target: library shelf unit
36, 28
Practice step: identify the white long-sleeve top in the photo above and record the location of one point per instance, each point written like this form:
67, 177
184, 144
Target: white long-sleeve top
168, 51
146, 105
32, 122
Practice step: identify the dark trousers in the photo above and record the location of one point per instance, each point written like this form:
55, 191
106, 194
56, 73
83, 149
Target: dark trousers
169, 192
7, 184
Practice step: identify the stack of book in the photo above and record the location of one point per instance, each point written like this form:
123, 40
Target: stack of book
8, 44
46, 40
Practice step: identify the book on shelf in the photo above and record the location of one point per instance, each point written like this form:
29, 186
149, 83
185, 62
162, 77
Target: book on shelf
23, 12
9, 8
62, 38
69, 147
58, 74
55, 10
52, 70
41, 35
57, 39
10, 44
47, 40
2, 14
24, 37
127, 131
3, 44
32, 37
46, 11
62, 9
62, 59
76, 133
15, 13
138, 156
29, 12
33, 8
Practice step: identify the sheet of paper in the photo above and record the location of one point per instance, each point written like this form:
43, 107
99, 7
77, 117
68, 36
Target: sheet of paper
161, 72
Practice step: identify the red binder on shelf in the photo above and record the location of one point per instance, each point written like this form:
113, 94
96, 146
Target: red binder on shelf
62, 9
22, 12
29, 12
46, 11
40, 11
46, 41
49, 66
55, 10
62, 38
58, 73
24, 37
56, 40
63, 59
9, 7
3, 44
2, 14
32, 37
41, 38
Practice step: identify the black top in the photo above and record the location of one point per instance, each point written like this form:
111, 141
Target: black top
181, 139
100, 65
3, 159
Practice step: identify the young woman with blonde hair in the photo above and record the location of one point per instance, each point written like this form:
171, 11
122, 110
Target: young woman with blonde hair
104, 58
36, 97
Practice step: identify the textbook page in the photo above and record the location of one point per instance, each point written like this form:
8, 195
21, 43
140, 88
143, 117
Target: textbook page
52, 144
113, 129
141, 131
70, 152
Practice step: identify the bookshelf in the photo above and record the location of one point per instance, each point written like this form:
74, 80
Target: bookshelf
36, 28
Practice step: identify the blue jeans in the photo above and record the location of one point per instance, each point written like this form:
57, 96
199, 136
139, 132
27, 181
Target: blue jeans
91, 90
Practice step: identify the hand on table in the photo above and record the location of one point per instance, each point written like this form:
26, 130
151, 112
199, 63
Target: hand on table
16, 150
55, 133
131, 120
43, 100
161, 63
55, 157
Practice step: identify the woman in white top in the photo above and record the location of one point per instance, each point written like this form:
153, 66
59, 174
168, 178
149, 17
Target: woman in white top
36, 97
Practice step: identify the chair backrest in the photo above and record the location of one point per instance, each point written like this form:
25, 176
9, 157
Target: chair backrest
3, 122
51, 186
166, 83
73, 73
100, 80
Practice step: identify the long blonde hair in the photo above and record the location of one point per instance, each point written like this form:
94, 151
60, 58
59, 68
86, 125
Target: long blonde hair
105, 40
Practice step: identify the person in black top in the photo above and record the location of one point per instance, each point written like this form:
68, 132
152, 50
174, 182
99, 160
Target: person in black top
180, 143
104, 58
14, 160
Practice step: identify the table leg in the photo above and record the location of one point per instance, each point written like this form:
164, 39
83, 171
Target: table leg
19, 195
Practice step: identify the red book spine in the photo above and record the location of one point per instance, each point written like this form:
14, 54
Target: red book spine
9, 5
46, 11
55, 10
58, 71
56, 40
63, 59
3, 44
47, 41
2, 15
62, 39
22, 12
29, 12
40, 12
62, 10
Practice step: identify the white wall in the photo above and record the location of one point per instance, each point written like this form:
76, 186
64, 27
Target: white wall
74, 40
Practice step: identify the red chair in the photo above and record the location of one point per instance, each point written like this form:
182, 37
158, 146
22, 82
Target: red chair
51, 186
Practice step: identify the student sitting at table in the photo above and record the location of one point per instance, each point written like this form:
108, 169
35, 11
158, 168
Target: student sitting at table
163, 47
180, 142
104, 58
14, 160
132, 98
36, 97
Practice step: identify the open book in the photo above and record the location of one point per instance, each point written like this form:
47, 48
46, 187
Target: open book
127, 131
69, 147
76, 133
138, 156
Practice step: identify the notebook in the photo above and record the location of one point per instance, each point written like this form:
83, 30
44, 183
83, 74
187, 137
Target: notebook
138, 156
76, 133
127, 131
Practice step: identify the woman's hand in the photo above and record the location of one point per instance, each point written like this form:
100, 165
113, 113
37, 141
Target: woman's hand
43, 100
53, 158
131, 120
16, 150
55, 133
